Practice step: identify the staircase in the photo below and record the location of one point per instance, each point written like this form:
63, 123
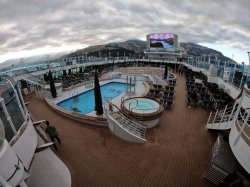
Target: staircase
216, 175
220, 119
123, 126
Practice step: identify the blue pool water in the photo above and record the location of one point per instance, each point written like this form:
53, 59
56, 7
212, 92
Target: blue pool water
85, 103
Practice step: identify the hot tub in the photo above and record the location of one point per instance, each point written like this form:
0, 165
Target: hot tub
145, 110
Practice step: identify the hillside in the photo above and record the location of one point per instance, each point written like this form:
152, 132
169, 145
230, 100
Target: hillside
129, 47
38, 59
138, 46
198, 50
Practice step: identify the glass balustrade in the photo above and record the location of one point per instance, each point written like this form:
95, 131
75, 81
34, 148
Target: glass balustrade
12, 106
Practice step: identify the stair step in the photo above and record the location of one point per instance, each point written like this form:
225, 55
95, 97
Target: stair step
215, 176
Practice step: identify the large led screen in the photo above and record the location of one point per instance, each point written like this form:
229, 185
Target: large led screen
161, 40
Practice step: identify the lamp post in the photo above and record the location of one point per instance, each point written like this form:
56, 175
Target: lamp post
248, 57
241, 81
216, 59
47, 57
209, 59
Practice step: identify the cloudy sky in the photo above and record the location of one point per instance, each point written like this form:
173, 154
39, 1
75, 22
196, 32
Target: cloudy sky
29, 27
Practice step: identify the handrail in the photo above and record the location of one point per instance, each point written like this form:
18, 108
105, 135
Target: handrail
119, 110
131, 110
133, 124
129, 124
220, 116
240, 127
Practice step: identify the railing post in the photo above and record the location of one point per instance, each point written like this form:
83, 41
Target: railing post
223, 114
21, 98
241, 81
19, 103
209, 117
235, 103
239, 106
215, 115
122, 119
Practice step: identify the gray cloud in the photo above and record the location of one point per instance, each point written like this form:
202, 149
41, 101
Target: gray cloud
30, 24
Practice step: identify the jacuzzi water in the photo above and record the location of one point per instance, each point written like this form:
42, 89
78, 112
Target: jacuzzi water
85, 103
143, 105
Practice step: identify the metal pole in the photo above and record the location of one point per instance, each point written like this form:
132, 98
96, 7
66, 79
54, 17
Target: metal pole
233, 73
248, 65
127, 83
19, 104
130, 83
241, 80
134, 82
225, 64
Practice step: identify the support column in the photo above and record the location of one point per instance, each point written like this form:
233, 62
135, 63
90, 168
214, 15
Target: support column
134, 83
216, 60
127, 83
130, 83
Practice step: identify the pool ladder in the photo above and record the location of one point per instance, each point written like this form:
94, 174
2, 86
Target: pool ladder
73, 92
131, 109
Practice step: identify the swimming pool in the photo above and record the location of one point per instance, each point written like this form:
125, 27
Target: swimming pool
85, 103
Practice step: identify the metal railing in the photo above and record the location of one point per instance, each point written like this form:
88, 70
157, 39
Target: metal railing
222, 68
243, 125
221, 116
130, 124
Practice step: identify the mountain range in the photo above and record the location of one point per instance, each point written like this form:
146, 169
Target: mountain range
138, 47
28, 61
129, 47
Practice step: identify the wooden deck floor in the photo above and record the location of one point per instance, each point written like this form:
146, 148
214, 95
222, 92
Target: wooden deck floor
177, 153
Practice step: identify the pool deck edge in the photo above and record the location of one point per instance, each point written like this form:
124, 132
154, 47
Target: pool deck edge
90, 120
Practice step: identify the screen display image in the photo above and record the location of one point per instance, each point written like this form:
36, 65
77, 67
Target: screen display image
161, 40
